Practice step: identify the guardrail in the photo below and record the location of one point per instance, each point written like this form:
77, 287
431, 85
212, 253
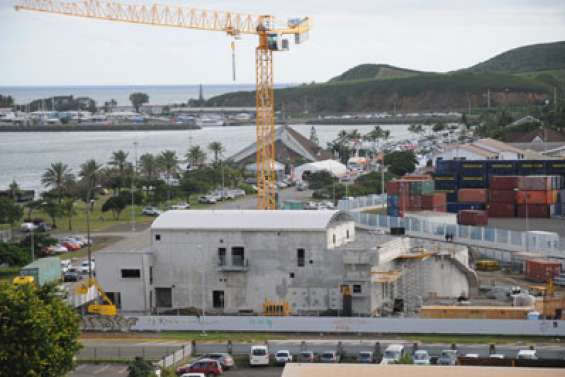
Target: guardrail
470, 235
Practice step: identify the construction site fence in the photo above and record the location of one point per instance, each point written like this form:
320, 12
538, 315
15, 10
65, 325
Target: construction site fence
165, 356
477, 236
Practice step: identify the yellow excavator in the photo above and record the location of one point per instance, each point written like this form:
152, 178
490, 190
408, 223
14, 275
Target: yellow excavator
106, 308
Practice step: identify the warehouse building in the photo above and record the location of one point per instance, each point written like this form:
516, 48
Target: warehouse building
231, 261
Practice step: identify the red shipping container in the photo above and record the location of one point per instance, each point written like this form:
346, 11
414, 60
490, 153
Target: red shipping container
540, 211
535, 197
501, 210
535, 183
417, 177
398, 187
498, 196
414, 202
434, 202
500, 182
472, 195
539, 269
472, 217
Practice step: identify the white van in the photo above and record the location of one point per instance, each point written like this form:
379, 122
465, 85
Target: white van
259, 355
392, 354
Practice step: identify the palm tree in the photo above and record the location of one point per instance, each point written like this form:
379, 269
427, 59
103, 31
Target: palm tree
120, 164
217, 148
195, 156
168, 162
416, 129
14, 190
148, 166
59, 178
90, 173
68, 209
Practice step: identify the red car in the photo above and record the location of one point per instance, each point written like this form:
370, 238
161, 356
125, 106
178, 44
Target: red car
209, 367
71, 246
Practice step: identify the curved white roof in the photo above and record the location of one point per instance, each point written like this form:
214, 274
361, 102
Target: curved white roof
248, 220
336, 168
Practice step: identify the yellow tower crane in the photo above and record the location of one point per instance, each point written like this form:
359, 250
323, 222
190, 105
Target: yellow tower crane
270, 30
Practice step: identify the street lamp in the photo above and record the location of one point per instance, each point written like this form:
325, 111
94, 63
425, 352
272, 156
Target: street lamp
517, 190
89, 205
134, 175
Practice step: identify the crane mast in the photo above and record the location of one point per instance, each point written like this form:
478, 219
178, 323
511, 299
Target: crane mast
270, 31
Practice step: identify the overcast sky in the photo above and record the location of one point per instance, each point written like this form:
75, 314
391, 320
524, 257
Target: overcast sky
431, 35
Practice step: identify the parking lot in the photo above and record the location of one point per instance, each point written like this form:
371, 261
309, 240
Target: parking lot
111, 370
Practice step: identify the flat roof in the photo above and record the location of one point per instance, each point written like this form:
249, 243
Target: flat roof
249, 220
367, 370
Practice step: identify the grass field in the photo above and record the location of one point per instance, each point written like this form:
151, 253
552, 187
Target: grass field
375, 211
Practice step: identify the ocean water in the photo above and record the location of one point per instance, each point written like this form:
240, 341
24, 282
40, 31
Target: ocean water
158, 94
24, 156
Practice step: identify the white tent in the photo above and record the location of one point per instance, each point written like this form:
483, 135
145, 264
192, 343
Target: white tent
337, 169
275, 165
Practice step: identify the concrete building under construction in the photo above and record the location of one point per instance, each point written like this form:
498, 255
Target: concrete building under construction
231, 261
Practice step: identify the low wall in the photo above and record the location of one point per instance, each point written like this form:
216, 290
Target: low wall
348, 325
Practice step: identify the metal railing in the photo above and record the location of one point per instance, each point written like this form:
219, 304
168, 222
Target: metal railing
488, 237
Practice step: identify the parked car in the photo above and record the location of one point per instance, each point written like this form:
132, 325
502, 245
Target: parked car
193, 375
225, 359
310, 205
83, 269
527, 355
282, 357
71, 276
301, 187
471, 355
259, 355
238, 193
70, 245
28, 227
207, 199
448, 357
366, 357
422, 357
496, 356
82, 239
180, 206
208, 367
56, 249
392, 354
330, 357
306, 357
281, 185
65, 265
150, 211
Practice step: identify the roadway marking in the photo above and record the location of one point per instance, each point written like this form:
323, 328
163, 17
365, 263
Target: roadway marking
100, 370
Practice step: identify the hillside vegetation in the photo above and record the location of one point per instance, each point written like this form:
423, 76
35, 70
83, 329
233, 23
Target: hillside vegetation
520, 77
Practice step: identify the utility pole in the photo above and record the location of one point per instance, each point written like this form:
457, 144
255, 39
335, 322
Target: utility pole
488, 98
555, 100
133, 177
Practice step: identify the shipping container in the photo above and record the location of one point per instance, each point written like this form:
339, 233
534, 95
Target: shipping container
540, 211
501, 210
446, 182
450, 195
479, 181
414, 203
555, 167
472, 217
503, 183
421, 187
414, 177
497, 167
456, 207
535, 182
447, 166
434, 202
558, 209
473, 168
472, 195
536, 197
43, 270
530, 167
540, 269
498, 196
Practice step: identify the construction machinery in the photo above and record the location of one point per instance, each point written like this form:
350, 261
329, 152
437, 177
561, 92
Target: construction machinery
270, 31
107, 308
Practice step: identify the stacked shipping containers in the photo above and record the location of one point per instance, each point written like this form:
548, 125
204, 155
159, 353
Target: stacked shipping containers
410, 195
540, 269
475, 185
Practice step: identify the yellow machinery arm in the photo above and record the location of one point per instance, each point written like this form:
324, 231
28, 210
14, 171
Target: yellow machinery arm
268, 28
106, 308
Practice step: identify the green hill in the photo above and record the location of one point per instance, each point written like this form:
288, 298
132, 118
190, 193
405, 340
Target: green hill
374, 71
520, 77
538, 57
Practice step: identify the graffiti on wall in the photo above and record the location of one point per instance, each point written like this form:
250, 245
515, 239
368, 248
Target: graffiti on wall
119, 323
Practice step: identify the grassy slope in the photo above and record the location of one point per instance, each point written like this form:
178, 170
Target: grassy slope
374, 71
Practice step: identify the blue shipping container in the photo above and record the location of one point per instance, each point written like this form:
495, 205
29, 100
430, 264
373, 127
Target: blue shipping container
498, 167
556, 167
450, 195
479, 181
447, 166
530, 167
446, 182
473, 167
456, 207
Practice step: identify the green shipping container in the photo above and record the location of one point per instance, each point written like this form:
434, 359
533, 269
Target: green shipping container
43, 270
293, 204
421, 187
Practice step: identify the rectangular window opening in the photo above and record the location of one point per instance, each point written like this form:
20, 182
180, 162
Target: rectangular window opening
238, 256
301, 257
157, 237
356, 288
222, 256
164, 297
131, 273
218, 299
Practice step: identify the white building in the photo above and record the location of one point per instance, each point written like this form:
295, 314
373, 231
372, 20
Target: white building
231, 261
482, 149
